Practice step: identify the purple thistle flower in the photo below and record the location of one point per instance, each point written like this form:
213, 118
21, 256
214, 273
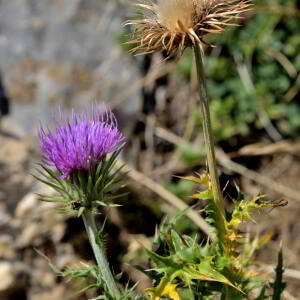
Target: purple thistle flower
80, 142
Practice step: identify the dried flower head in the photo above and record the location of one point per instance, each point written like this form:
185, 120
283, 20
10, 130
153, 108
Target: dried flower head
81, 141
172, 25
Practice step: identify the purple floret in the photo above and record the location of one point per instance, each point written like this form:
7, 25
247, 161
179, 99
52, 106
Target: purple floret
80, 142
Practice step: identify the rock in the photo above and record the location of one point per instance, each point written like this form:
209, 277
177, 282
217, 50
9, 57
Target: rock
7, 276
43, 62
7, 250
56, 293
14, 151
28, 234
9, 126
26, 205
4, 216
14, 277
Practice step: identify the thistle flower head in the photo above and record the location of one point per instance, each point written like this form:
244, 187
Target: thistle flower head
172, 25
80, 142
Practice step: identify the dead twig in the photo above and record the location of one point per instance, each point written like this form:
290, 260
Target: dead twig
226, 162
293, 91
267, 149
149, 78
246, 78
283, 60
144, 180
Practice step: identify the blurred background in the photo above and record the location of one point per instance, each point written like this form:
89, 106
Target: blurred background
71, 53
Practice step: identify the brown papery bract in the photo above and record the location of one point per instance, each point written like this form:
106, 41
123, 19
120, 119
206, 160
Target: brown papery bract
173, 25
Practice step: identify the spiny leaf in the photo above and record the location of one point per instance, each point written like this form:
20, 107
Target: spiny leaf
204, 271
204, 195
162, 260
202, 179
188, 255
54, 186
278, 285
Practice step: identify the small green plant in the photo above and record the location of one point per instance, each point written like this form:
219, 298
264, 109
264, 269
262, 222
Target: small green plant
204, 269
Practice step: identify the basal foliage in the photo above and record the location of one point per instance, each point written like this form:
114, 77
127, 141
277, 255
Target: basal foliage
203, 269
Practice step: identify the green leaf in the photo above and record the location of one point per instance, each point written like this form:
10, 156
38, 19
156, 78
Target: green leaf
204, 271
162, 260
188, 255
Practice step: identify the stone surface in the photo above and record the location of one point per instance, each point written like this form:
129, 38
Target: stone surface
26, 205
14, 277
62, 52
7, 249
7, 276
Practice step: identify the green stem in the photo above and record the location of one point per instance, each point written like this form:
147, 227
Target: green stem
211, 159
98, 249
229, 294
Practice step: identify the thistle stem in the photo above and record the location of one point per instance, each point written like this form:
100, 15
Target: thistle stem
98, 249
211, 159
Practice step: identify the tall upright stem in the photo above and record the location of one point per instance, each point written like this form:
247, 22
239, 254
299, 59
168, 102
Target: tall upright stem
98, 249
211, 158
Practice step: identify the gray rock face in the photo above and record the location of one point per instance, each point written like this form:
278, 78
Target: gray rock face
61, 52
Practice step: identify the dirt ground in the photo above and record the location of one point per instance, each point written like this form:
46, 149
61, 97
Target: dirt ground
27, 224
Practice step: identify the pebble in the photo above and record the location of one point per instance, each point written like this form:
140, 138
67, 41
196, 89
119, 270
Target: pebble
7, 249
6, 275
26, 205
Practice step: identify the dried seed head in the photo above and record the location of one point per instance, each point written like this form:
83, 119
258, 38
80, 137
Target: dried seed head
172, 25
